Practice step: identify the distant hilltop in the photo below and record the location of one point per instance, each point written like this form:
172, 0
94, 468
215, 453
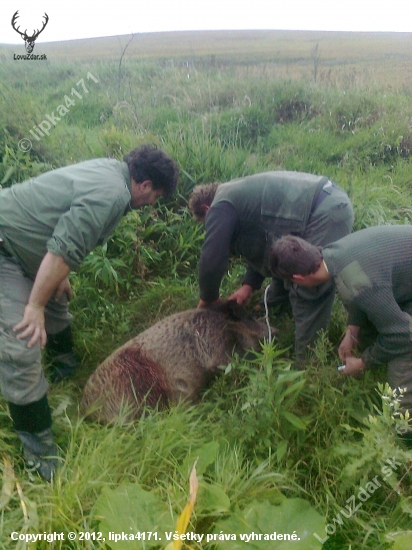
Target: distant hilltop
247, 46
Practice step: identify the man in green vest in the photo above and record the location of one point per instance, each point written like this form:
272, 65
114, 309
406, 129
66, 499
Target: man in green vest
48, 225
372, 270
245, 216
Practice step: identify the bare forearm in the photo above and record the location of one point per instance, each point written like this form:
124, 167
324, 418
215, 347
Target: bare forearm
52, 271
349, 341
353, 330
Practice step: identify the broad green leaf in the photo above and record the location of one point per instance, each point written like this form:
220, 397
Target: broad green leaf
296, 387
212, 499
261, 523
294, 420
131, 509
207, 455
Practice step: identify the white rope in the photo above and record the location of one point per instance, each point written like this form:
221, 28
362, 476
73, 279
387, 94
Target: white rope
265, 301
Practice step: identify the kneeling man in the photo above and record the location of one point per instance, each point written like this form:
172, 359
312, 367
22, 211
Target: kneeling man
372, 270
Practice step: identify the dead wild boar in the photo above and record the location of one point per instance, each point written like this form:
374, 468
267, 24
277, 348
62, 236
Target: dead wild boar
172, 360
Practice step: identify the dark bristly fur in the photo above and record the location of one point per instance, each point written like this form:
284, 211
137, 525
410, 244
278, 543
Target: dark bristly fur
172, 360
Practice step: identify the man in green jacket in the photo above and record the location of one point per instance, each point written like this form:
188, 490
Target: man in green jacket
372, 270
245, 216
48, 225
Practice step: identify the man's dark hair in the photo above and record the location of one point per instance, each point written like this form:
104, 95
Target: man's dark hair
202, 195
292, 255
147, 162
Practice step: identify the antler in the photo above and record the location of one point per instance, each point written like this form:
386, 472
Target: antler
24, 34
44, 24
13, 21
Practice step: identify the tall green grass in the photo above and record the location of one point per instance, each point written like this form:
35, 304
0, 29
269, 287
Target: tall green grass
266, 433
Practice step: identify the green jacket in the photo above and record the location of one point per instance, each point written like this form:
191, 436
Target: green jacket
273, 200
264, 206
372, 269
68, 212
269, 205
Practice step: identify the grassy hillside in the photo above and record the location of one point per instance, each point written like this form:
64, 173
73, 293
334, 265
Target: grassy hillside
223, 105
382, 58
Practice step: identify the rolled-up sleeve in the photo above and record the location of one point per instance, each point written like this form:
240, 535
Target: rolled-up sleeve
87, 224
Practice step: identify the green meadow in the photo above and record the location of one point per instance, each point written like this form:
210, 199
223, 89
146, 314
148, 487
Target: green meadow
305, 453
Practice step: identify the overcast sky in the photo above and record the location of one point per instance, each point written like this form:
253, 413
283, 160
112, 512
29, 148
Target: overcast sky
70, 19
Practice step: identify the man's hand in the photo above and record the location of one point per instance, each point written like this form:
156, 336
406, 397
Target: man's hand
51, 277
202, 303
32, 325
354, 367
64, 287
349, 342
242, 294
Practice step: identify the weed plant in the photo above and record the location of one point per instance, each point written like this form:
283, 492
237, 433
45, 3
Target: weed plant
267, 436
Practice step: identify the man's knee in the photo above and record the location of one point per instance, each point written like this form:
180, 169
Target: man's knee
21, 374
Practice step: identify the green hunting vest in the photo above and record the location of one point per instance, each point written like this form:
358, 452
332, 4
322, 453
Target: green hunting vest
269, 205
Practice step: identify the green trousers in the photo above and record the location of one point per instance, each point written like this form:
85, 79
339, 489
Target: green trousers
21, 374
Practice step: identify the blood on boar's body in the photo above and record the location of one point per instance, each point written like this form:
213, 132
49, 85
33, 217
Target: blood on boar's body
172, 360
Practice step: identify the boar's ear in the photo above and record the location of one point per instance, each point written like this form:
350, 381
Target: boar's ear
234, 311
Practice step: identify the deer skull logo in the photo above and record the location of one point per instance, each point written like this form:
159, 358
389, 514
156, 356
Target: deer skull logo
28, 40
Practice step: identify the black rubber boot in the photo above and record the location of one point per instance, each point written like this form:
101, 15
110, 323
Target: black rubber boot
61, 355
32, 423
40, 452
